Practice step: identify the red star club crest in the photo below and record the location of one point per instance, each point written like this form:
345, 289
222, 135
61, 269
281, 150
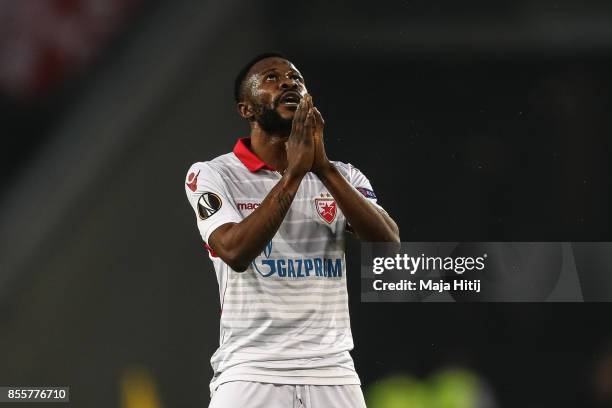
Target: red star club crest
326, 208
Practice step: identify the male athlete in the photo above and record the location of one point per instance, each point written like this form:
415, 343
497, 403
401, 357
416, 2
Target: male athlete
273, 215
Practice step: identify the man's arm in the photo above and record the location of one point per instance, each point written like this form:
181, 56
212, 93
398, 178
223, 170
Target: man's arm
239, 243
368, 221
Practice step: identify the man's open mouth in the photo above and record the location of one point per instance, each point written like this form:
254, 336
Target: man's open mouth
290, 98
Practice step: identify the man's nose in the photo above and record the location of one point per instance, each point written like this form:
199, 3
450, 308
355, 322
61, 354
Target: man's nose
289, 84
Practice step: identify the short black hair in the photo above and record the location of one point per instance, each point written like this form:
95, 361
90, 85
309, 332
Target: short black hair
245, 70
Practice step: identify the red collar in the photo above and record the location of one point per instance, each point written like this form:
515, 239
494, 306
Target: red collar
243, 152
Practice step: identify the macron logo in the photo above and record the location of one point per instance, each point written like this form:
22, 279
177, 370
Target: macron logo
248, 206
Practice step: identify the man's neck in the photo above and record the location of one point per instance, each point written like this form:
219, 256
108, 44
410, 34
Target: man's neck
270, 148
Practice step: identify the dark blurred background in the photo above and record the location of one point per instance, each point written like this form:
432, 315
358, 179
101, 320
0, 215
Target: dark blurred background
474, 120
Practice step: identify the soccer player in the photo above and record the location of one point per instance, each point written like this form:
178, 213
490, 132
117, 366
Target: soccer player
273, 214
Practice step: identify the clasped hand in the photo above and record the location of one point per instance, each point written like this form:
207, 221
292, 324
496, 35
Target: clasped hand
305, 147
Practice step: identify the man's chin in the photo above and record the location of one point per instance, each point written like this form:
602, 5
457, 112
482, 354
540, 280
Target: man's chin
286, 111
278, 120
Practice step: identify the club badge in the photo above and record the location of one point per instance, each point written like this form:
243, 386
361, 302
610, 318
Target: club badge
326, 208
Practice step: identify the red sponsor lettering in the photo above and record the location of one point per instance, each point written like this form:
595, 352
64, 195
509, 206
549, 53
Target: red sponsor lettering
247, 206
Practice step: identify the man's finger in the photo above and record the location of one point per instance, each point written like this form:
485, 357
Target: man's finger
295, 119
309, 126
319, 117
309, 122
303, 111
298, 119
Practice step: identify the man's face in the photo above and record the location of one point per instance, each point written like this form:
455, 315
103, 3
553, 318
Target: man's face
274, 88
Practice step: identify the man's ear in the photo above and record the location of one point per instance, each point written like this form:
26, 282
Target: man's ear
245, 109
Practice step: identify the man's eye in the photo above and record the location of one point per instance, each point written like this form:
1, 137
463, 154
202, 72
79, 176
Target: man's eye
298, 78
271, 77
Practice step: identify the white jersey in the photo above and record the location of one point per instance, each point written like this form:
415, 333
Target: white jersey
285, 320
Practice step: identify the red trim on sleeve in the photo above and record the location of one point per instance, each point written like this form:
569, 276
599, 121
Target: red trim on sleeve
211, 251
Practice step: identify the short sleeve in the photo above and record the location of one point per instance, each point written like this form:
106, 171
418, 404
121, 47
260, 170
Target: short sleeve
210, 199
362, 184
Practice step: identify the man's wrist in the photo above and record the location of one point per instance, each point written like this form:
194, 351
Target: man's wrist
291, 180
325, 170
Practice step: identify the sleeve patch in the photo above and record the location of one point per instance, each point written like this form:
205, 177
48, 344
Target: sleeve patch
192, 181
366, 192
208, 204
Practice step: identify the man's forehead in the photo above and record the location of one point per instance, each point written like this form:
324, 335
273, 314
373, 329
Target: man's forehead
271, 63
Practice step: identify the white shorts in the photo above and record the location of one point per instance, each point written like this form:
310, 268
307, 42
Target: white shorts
247, 394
